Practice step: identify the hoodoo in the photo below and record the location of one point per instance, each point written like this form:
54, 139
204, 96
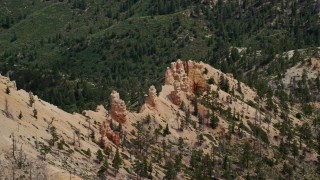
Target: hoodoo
118, 108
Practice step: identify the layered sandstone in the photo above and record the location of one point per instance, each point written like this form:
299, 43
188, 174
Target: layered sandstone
118, 108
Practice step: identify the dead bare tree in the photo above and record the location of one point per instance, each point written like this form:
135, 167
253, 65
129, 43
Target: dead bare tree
13, 167
89, 128
256, 117
31, 99
6, 109
50, 123
37, 143
21, 158
78, 134
13, 144
30, 170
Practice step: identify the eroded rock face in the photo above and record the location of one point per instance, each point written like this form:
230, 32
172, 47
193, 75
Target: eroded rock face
152, 96
114, 136
169, 77
118, 108
104, 138
186, 73
192, 65
8, 82
186, 77
177, 73
174, 95
107, 134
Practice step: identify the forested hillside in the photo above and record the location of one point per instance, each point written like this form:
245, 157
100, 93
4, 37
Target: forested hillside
203, 124
73, 52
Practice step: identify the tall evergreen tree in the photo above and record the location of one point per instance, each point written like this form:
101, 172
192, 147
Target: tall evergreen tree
116, 162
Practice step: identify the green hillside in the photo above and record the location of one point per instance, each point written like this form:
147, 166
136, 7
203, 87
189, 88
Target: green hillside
72, 53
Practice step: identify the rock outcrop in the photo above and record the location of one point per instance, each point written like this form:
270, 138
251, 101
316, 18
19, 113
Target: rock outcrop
152, 96
186, 77
118, 108
177, 73
174, 95
8, 82
108, 134
169, 77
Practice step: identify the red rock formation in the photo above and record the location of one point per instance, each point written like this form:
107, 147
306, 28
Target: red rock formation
108, 134
187, 73
186, 77
197, 79
103, 128
118, 108
104, 138
114, 137
152, 96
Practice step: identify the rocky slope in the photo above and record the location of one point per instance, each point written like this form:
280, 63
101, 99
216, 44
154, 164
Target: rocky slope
176, 121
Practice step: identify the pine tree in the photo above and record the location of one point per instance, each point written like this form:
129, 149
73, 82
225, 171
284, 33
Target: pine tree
178, 118
20, 115
305, 133
200, 120
182, 124
103, 169
214, 120
295, 149
119, 128
180, 144
246, 154
239, 87
7, 90
183, 106
170, 173
178, 162
188, 117
35, 113
164, 147
318, 142
166, 130
99, 156
156, 133
195, 105
88, 152
116, 162
137, 167
283, 149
